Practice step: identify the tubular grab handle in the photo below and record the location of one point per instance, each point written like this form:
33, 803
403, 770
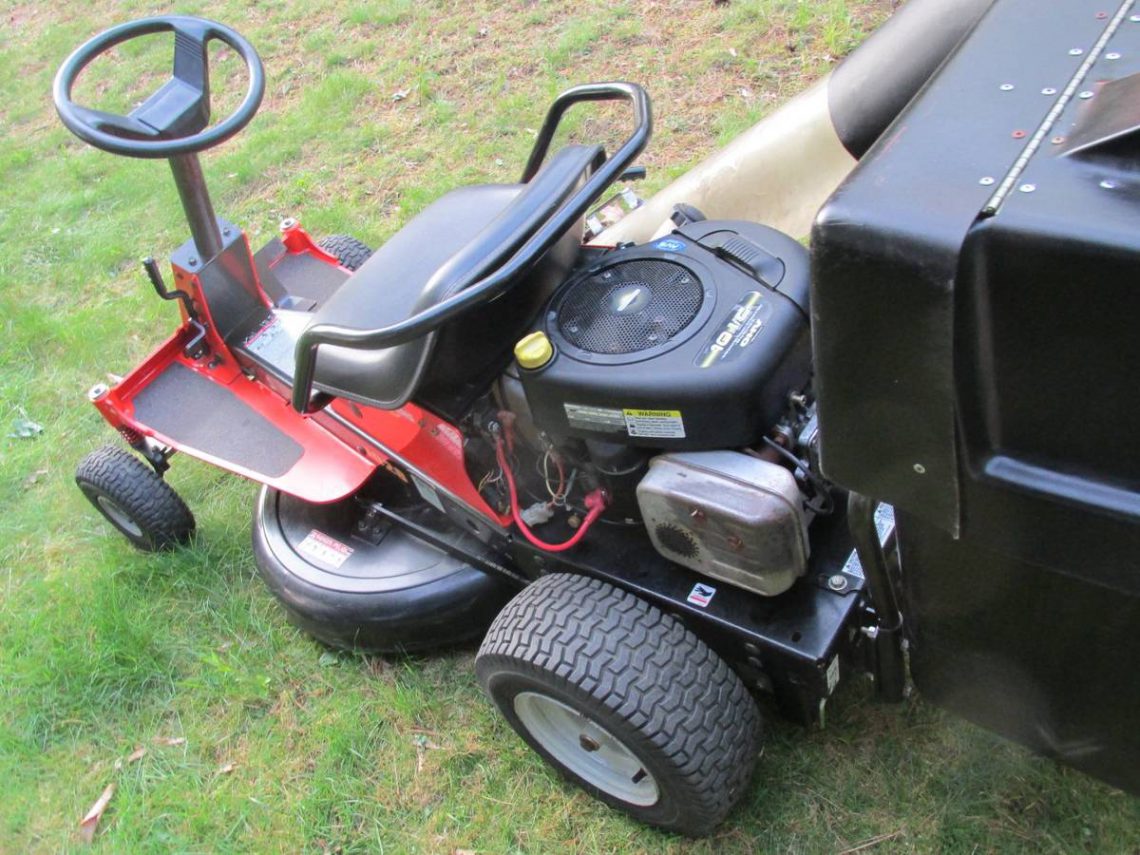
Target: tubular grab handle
471, 294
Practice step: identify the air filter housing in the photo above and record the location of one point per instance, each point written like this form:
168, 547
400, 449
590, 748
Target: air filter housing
692, 341
623, 309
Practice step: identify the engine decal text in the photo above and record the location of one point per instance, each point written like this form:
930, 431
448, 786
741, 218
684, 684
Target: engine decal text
739, 329
594, 418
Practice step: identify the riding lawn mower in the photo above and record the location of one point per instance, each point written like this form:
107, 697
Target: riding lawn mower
687, 460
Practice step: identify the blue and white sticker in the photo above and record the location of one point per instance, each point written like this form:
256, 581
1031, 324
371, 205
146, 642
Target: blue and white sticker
670, 245
701, 595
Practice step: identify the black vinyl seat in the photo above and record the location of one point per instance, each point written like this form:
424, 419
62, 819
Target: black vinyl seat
472, 230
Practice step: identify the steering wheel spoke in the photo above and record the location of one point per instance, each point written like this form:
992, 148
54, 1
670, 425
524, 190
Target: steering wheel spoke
191, 61
127, 127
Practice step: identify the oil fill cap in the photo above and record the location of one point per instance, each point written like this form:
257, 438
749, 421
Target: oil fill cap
534, 350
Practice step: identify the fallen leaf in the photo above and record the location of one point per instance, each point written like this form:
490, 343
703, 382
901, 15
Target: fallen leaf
170, 740
138, 754
225, 768
90, 822
328, 659
401, 94
32, 479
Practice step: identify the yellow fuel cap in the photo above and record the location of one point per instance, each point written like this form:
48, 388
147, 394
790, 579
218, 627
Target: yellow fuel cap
534, 351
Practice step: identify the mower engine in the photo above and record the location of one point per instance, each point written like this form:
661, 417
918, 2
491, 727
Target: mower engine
676, 376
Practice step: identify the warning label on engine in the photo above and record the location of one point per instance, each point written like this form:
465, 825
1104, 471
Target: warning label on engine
654, 424
657, 424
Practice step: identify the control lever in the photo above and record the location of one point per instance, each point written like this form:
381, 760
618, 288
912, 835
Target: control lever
196, 347
155, 277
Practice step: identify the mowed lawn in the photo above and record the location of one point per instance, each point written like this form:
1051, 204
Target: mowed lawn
176, 677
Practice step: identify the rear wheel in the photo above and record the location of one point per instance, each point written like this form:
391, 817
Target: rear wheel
350, 252
623, 700
128, 493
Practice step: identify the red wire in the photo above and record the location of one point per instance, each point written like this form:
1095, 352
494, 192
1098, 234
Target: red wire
595, 502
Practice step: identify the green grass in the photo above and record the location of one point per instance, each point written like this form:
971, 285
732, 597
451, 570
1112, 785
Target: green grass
103, 649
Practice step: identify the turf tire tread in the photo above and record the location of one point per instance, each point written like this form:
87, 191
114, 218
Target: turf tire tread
159, 512
645, 666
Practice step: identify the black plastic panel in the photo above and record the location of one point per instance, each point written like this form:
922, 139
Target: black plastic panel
976, 301
885, 254
1040, 656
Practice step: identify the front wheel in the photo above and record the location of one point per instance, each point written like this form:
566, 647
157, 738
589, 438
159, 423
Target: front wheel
623, 700
143, 507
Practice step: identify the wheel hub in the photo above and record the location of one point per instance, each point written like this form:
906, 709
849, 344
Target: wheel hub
119, 516
586, 748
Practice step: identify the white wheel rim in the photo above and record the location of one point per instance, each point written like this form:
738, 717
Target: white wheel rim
586, 748
118, 516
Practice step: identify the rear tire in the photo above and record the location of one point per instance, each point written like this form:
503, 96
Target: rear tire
350, 252
128, 493
623, 700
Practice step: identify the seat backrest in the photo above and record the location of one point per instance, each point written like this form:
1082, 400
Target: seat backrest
445, 249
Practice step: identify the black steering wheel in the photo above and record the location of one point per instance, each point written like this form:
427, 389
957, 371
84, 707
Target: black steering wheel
174, 119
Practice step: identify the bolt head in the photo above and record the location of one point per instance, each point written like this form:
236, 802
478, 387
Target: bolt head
1086, 94
97, 391
920, 469
1048, 90
588, 743
1112, 55
986, 181
1135, 19
1109, 184
1006, 87
288, 223
838, 582
1027, 188
1075, 52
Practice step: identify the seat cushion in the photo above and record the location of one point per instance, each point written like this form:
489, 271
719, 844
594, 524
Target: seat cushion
388, 288
469, 231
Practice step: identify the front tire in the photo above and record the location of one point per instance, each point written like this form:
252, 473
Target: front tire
350, 252
128, 493
623, 700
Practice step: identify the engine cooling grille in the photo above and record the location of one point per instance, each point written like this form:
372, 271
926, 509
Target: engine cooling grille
630, 306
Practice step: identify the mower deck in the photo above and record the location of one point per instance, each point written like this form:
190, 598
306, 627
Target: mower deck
350, 576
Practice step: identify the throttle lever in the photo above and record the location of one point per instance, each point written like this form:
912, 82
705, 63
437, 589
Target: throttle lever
155, 277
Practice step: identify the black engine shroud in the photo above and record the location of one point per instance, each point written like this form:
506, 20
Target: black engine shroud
691, 341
